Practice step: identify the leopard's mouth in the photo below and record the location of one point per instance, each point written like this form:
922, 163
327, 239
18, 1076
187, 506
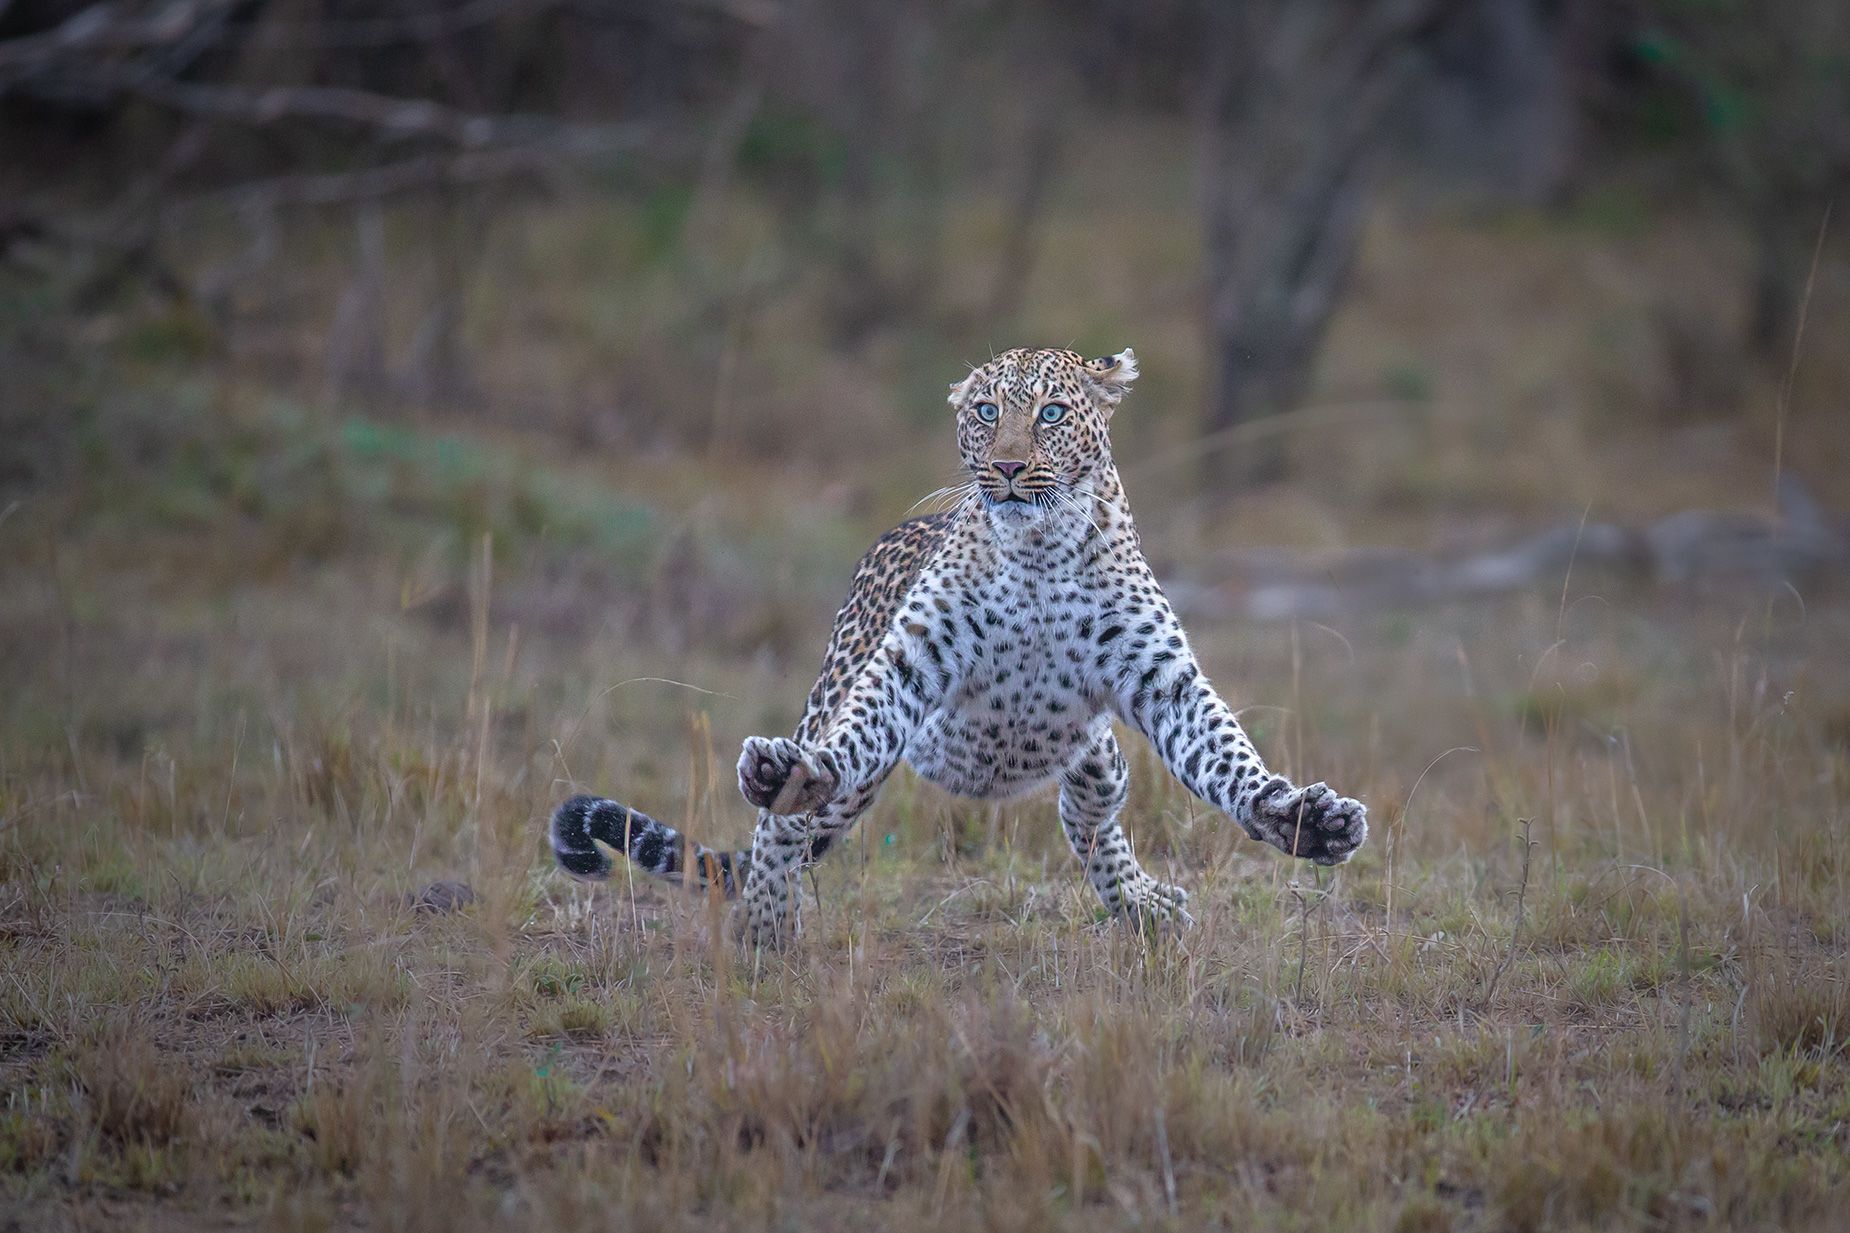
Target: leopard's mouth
1015, 513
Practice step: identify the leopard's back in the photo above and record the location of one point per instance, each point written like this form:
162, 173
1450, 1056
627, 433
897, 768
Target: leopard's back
881, 583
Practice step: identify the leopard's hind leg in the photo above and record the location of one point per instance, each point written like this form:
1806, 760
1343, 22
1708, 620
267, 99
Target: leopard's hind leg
1092, 795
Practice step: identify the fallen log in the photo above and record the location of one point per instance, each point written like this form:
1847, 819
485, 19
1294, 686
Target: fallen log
1803, 546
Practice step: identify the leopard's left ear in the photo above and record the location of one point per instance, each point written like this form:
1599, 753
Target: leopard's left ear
1110, 377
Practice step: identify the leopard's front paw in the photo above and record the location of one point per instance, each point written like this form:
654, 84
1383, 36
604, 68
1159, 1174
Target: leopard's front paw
776, 774
1314, 822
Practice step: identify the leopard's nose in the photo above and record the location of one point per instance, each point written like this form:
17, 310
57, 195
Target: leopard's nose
1009, 467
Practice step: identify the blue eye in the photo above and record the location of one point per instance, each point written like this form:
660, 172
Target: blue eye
1053, 412
986, 411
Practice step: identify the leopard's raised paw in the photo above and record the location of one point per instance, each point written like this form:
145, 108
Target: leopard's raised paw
776, 774
1314, 823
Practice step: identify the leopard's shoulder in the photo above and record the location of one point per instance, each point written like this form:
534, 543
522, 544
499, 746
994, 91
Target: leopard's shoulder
881, 582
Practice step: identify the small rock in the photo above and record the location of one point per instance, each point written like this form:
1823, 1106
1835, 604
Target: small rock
442, 898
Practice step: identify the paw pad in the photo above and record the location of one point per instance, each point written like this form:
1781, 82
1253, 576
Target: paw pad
776, 774
1313, 823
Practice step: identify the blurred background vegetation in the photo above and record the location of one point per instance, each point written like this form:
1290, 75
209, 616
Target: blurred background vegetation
654, 225
663, 295
411, 412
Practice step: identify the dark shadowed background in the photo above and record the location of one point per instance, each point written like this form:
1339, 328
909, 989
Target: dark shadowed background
646, 280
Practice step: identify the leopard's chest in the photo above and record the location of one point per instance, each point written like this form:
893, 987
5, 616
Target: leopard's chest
1024, 703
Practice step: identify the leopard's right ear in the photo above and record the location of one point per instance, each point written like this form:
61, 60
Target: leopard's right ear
960, 390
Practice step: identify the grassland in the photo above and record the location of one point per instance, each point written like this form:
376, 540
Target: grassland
274, 663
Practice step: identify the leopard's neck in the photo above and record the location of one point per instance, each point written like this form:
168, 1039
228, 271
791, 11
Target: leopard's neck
1092, 522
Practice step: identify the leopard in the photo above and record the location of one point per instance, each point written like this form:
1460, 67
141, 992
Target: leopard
996, 646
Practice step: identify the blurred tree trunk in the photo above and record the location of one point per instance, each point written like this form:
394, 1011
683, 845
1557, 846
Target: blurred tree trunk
1030, 179
1500, 107
1534, 60
869, 79
1298, 104
1765, 89
1777, 280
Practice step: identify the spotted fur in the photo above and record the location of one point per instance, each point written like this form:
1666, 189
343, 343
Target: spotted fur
992, 647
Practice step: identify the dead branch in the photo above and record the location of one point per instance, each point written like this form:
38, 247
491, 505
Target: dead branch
102, 30
421, 26
390, 117
420, 174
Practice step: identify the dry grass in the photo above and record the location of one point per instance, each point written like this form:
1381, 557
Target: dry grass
273, 667
218, 1004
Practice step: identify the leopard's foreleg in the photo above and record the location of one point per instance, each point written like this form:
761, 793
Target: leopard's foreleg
809, 795
1202, 743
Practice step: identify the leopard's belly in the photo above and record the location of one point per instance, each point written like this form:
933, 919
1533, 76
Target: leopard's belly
1019, 717
975, 753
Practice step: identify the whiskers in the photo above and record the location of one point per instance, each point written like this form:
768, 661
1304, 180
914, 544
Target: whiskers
951, 496
1056, 497
1061, 497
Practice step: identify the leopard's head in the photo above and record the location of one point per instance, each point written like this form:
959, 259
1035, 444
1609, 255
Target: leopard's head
1031, 426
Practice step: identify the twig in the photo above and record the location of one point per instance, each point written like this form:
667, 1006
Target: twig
1297, 892
1326, 415
1792, 368
1169, 1169
1522, 894
1688, 981
969, 886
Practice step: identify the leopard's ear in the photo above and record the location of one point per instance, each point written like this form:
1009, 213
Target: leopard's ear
1110, 377
960, 390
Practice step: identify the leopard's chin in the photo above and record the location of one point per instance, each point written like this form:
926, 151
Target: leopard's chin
1015, 513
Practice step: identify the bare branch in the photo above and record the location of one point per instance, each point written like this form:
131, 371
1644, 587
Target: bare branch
392, 117
100, 30
417, 27
419, 174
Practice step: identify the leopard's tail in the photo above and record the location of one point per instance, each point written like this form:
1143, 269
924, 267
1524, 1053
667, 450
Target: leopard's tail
655, 846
